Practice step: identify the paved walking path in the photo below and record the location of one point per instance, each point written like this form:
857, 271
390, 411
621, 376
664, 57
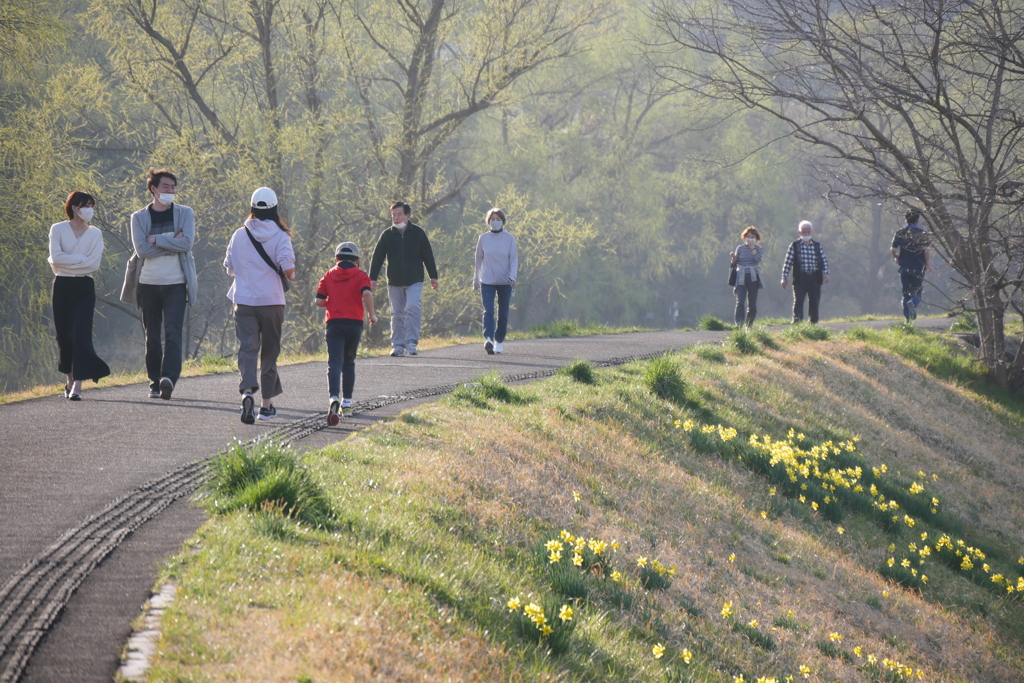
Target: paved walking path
63, 466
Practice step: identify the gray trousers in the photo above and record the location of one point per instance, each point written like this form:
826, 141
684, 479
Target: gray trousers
406, 314
258, 329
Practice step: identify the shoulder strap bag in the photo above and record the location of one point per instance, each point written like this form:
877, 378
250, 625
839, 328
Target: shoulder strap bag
263, 254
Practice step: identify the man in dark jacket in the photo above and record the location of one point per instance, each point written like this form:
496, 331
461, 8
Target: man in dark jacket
407, 250
910, 249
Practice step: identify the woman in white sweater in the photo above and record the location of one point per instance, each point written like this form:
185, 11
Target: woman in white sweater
258, 294
76, 249
497, 262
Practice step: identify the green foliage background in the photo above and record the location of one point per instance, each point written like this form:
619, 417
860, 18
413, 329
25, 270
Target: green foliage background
625, 192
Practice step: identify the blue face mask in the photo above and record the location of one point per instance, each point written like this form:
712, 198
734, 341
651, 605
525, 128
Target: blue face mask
496, 226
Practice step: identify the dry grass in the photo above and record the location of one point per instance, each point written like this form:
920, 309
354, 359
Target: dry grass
439, 512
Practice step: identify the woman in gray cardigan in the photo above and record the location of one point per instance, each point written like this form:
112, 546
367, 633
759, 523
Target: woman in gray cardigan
494, 275
747, 259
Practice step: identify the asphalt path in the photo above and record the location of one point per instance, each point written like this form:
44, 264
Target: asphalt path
63, 465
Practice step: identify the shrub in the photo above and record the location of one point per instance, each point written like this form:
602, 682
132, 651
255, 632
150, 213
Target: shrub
663, 378
486, 388
580, 370
711, 324
965, 322
265, 476
712, 353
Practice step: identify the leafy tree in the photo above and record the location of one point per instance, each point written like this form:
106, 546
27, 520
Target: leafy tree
913, 103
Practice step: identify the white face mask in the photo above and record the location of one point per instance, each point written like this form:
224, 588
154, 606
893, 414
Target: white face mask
805, 238
496, 226
400, 225
166, 197
85, 213
751, 241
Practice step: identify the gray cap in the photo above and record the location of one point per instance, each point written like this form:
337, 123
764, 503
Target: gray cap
347, 249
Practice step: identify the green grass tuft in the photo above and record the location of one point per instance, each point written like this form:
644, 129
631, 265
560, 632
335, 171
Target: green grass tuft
664, 379
711, 324
266, 477
744, 341
580, 370
805, 331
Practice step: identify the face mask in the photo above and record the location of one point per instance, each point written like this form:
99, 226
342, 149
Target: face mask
751, 240
85, 213
496, 226
166, 197
399, 225
805, 238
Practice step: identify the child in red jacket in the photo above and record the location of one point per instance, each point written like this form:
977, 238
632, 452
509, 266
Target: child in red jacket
344, 291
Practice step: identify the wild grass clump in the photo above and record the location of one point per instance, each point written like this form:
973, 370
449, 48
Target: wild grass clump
711, 353
765, 339
712, 324
663, 377
579, 370
267, 477
965, 322
487, 388
805, 331
744, 341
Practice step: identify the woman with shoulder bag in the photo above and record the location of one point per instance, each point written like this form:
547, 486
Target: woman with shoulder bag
259, 258
746, 260
76, 249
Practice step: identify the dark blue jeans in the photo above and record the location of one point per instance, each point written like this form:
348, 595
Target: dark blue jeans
342, 337
912, 282
504, 293
163, 310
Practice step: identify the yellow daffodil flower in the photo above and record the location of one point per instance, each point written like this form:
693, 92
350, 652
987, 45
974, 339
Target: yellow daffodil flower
658, 651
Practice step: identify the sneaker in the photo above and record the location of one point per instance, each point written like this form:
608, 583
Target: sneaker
154, 392
166, 387
489, 347
332, 412
74, 397
499, 347
346, 410
248, 409
411, 350
397, 351
67, 391
267, 413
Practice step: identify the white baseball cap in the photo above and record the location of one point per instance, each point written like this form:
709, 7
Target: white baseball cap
347, 249
263, 198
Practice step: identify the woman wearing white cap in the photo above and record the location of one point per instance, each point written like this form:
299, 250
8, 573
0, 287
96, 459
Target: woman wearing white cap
497, 261
260, 258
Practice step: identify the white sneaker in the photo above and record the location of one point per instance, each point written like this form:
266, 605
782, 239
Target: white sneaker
489, 347
397, 351
410, 349
499, 347
332, 411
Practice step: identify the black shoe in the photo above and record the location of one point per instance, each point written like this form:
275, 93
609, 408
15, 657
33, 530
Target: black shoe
166, 387
74, 397
248, 409
154, 393
267, 413
67, 391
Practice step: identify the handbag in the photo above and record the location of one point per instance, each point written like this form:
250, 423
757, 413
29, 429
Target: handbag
732, 275
263, 254
131, 280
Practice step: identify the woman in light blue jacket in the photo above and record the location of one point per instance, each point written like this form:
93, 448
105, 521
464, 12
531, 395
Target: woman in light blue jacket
259, 258
497, 262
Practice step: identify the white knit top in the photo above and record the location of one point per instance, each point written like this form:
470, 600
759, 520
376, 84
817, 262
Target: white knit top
72, 256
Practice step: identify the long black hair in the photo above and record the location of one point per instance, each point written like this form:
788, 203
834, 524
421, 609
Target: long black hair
270, 215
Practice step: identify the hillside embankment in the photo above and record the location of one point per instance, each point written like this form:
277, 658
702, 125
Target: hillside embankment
774, 509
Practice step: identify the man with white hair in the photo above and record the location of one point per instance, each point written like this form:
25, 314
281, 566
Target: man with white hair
810, 271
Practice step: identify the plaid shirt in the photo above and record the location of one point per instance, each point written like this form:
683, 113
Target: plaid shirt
808, 258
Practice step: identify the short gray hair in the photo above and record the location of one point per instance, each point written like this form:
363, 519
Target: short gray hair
804, 224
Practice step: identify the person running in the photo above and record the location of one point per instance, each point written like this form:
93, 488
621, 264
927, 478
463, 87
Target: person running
163, 234
910, 249
747, 260
407, 250
345, 292
259, 258
494, 274
76, 249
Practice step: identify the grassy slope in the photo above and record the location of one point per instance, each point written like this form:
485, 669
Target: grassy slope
441, 515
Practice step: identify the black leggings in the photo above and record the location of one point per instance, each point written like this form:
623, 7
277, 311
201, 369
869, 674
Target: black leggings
74, 299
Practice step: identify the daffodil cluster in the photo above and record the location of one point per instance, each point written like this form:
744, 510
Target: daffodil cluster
537, 615
588, 554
